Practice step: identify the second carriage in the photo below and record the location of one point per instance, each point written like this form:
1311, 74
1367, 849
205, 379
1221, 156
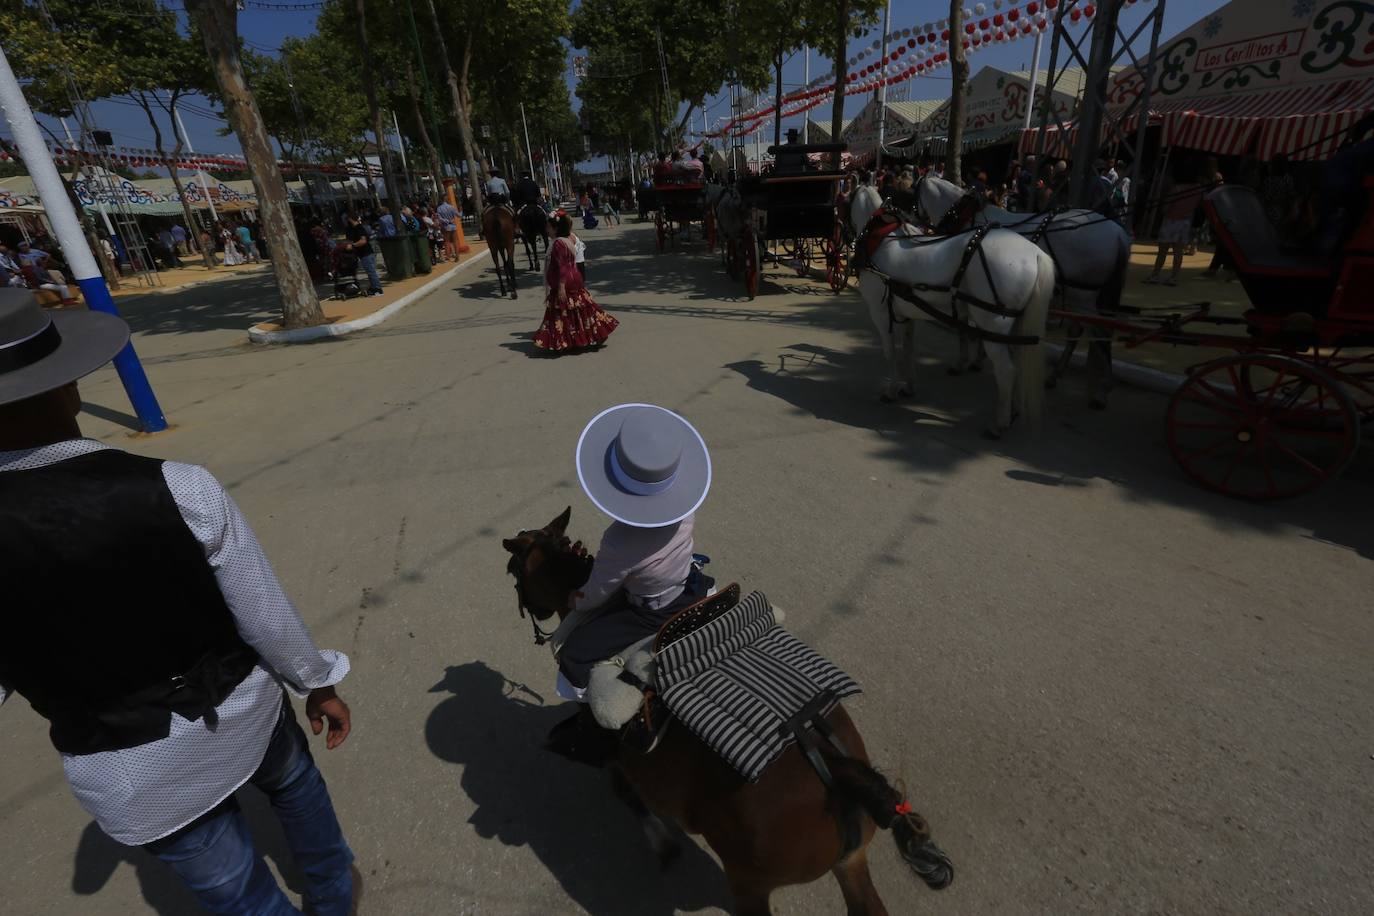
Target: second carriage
793, 217
676, 206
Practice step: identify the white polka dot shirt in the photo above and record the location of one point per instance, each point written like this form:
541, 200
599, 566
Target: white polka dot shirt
147, 792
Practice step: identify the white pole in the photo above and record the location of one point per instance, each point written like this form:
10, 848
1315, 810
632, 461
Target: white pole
65, 225
882, 89
529, 154
399, 142
186, 138
806, 82
1034, 77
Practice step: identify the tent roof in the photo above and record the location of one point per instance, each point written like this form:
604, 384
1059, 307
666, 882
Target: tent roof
823, 129
1253, 74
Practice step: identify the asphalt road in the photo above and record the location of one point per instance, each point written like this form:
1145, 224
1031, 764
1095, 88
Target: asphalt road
1108, 690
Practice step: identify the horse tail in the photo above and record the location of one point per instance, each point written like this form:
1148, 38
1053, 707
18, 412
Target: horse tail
858, 785
1109, 296
1031, 370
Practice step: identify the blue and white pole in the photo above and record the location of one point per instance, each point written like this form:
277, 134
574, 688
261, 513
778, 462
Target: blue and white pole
67, 227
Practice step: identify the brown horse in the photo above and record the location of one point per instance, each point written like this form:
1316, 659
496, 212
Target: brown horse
498, 226
787, 828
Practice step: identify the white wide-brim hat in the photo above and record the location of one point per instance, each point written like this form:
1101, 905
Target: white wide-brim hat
643, 465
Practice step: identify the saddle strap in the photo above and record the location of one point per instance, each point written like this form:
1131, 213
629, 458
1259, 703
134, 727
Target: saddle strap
810, 729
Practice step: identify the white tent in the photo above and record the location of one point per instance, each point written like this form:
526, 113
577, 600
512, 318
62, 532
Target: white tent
995, 107
1261, 76
902, 120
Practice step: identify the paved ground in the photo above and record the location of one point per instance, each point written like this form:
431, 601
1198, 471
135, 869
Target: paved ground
1109, 691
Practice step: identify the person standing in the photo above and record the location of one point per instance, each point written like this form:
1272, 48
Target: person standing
572, 319
245, 242
1176, 230
165, 692
360, 243
180, 239
448, 224
386, 224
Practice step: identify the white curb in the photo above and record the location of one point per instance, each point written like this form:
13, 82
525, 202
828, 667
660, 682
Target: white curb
1135, 374
340, 328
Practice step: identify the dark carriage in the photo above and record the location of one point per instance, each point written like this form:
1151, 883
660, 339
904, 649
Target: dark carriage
676, 206
794, 217
1284, 412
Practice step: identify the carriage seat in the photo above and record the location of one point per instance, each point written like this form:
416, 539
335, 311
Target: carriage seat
1277, 281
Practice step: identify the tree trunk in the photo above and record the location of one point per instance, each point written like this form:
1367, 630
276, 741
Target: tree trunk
393, 191
218, 23
958, 68
142, 101
435, 166
837, 106
456, 98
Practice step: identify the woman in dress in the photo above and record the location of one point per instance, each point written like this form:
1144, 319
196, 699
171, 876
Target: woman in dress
232, 258
572, 319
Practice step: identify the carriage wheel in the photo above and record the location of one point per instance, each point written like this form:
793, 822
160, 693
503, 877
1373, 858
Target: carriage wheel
1262, 427
659, 231
751, 264
836, 264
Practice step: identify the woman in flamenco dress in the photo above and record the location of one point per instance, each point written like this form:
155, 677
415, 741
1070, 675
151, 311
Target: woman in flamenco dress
572, 319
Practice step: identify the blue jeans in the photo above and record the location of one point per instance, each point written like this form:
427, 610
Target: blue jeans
214, 854
369, 262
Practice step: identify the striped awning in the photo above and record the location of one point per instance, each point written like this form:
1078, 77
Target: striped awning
1304, 122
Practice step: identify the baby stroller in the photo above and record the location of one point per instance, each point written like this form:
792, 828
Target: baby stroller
345, 274
588, 219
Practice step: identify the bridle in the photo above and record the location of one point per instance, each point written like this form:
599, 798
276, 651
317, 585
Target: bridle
516, 568
949, 214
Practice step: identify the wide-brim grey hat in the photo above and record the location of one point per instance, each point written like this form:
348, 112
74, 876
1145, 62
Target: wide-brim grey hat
41, 350
643, 465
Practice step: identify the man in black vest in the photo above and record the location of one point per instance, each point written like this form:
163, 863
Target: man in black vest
142, 620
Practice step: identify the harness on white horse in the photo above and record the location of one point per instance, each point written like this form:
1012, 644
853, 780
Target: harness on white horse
910, 292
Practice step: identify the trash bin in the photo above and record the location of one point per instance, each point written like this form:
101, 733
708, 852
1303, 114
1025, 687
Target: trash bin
399, 258
420, 242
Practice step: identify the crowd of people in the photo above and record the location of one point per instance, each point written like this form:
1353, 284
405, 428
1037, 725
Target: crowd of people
35, 264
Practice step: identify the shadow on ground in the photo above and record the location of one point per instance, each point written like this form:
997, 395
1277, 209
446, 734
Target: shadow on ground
98, 857
564, 812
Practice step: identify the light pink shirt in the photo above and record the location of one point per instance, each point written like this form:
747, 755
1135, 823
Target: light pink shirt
651, 564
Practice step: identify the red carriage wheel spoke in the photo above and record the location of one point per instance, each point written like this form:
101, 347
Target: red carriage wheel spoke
1209, 450
1231, 409
1309, 466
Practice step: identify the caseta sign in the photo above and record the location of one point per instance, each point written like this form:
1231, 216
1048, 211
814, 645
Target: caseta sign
1250, 51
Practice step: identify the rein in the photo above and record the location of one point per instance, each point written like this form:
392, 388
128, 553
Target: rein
541, 636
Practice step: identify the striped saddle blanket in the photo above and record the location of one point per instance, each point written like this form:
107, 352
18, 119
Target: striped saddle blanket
738, 680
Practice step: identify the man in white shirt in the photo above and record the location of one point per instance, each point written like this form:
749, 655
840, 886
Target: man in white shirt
142, 620
498, 192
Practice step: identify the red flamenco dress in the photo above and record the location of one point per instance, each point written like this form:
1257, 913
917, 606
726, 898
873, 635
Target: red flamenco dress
572, 319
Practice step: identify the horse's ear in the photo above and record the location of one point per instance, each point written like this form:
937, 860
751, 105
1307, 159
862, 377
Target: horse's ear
559, 526
516, 544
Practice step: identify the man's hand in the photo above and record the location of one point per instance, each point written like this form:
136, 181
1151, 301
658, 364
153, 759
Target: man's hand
323, 703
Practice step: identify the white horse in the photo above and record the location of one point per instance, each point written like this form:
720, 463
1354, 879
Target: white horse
1090, 252
731, 216
1009, 272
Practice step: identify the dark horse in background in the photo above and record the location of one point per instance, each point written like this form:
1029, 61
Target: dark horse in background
534, 225
786, 828
498, 227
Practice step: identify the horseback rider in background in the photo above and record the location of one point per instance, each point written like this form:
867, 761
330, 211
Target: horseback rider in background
526, 192
498, 192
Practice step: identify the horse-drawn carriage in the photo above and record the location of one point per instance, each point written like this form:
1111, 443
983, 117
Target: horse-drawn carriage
1283, 413
792, 218
676, 206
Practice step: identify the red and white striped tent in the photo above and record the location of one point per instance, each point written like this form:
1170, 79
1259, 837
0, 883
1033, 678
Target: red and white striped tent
1256, 76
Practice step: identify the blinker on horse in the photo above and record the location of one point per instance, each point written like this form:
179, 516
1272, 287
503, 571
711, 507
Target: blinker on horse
789, 826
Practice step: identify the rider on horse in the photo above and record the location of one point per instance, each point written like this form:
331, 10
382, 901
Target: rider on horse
498, 192
649, 470
526, 192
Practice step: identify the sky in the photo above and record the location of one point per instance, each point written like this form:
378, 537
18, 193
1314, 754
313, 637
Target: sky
264, 30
